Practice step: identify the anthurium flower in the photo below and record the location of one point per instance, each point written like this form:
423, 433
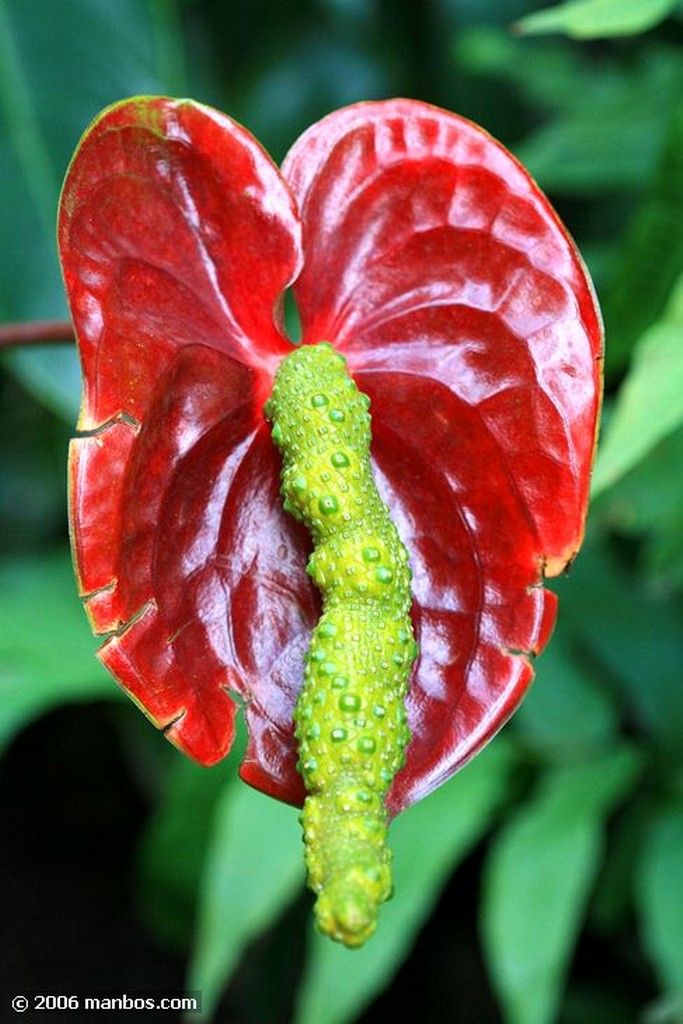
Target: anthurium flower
424, 253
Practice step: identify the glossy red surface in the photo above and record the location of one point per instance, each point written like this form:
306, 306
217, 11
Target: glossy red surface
422, 250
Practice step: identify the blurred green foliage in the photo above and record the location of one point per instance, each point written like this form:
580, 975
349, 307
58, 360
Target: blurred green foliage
595, 19
571, 825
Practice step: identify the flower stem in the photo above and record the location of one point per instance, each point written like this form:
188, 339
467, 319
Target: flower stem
36, 332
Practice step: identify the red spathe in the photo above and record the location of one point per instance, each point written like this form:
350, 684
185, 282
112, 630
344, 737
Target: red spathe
418, 246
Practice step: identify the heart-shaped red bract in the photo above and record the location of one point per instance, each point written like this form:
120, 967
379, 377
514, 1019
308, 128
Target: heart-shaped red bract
421, 249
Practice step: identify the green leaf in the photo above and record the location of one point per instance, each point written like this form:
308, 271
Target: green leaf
603, 124
595, 19
634, 637
650, 260
566, 714
650, 403
538, 879
646, 504
549, 74
181, 821
254, 868
605, 131
56, 73
32, 478
46, 650
612, 905
660, 891
584, 152
51, 374
428, 841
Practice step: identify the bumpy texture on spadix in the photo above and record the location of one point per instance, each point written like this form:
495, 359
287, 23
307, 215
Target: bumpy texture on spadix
350, 716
